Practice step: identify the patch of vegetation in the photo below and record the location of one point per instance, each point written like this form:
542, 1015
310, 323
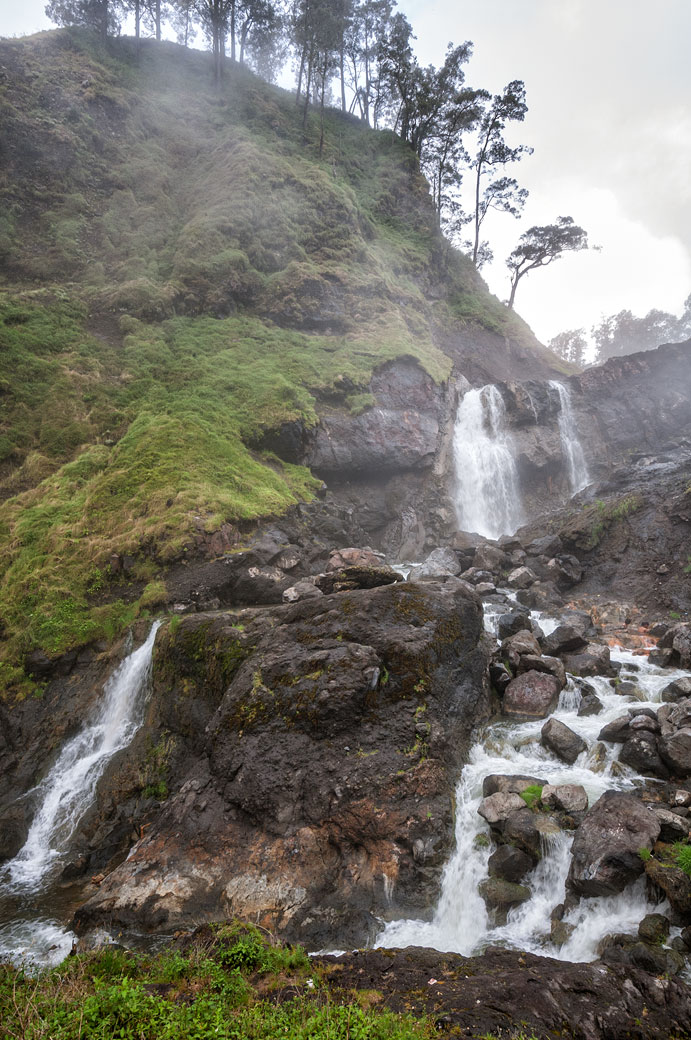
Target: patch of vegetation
231, 983
532, 795
208, 275
644, 854
681, 851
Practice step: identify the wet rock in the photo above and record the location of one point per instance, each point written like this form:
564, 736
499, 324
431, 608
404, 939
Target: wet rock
564, 570
617, 731
654, 928
475, 576
593, 660
590, 704
597, 757
642, 722
509, 992
531, 695
499, 676
672, 826
526, 829
303, 589
548, 545
354, 577
640, 751
439, 563
677, 690
605, 851
562, 741
509, 864
511, 623
673, 717
549, 665
521, 578
566, 797
310, 778
543, 595
678, 640
497, 808
564, 639
509, 784
353, 557
521, 643
661, 658
675, 884
560, 931
485, 588
501, 896
491, 558
675, 750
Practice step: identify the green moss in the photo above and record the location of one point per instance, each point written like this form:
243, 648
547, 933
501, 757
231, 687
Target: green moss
532, 795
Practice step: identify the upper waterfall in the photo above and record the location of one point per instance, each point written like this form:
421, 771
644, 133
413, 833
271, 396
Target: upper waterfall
488, 497
570, 443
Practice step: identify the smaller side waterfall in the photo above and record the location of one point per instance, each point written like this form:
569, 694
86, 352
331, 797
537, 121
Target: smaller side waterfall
67, 790
488, 498
570, 443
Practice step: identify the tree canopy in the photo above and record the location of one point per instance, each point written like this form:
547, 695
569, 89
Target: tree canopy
540, 246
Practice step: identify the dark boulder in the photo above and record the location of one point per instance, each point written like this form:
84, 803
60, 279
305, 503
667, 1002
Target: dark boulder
531, 695
676, 886
562, 741
594, 659
564, 639
640, 751
605, 851
508, 783
509, 864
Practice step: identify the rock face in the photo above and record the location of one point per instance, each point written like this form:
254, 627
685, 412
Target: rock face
605, 851
532, 996
315, 787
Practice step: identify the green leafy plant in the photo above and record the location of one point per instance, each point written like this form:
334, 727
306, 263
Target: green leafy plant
681, 852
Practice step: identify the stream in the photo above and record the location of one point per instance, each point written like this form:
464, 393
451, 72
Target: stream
461, 923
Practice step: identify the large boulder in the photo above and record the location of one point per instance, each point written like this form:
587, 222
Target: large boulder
509, 864
319, 748
561, 740
533, 695
640, 751
605, 850
594, 659
565, 638
678, 640
439, 563
497, 808
565, 797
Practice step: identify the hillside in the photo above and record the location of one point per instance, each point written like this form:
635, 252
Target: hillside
181, 275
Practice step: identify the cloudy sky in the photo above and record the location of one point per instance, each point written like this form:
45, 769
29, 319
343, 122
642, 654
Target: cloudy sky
609, 92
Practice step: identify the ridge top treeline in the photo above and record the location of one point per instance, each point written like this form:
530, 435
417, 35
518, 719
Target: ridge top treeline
358, 55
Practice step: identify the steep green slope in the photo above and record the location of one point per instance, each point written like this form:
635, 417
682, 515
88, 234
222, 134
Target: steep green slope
183, 272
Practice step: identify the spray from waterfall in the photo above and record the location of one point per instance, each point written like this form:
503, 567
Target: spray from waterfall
570, 443
488, 496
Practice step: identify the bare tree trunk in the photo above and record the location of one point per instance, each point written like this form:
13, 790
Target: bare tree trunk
476, 245
343, 97
301, 71
514, 286
308, 87
158, 20
232, 30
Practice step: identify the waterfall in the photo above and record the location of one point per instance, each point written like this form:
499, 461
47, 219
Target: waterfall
63, 796
461, 922
67, 791
570, 443
488, 499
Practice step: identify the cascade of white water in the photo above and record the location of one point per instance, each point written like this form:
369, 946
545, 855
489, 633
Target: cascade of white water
63, 797
570, 443
488, 498
461, 922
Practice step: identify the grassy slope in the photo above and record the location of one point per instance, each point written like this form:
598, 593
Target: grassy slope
231, 984
182, 273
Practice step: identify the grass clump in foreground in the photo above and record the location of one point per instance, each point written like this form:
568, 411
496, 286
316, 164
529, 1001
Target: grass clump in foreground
229, 983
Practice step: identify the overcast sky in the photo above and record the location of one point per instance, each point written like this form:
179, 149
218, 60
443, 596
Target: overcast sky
609, 93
